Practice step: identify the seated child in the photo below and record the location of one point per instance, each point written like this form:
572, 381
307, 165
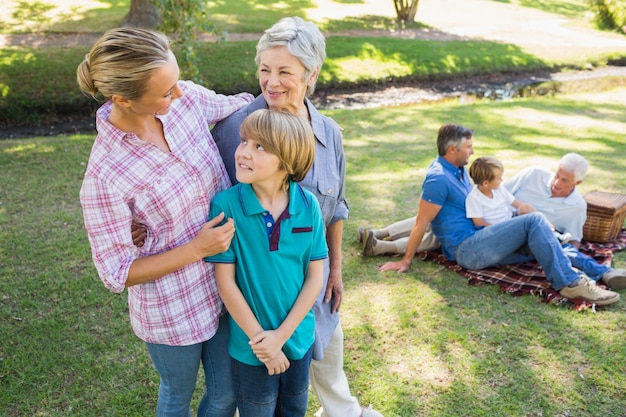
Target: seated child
271, 275
488, 203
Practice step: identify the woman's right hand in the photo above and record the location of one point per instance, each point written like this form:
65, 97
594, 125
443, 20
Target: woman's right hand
213, 239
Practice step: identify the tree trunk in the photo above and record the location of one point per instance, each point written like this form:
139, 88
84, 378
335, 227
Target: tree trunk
142, 14
406, 9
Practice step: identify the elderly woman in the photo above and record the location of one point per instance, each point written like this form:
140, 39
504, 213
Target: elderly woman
289, 58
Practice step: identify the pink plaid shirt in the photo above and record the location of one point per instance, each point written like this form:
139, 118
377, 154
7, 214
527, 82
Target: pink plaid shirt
169, 192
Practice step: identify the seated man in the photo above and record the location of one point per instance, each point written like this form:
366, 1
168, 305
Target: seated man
522, 238
554, 194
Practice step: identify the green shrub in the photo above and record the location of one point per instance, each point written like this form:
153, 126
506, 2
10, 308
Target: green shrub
38, 85
609, 14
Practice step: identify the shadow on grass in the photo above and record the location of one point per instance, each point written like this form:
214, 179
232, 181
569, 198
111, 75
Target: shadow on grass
41, 16
425, 342
422, 343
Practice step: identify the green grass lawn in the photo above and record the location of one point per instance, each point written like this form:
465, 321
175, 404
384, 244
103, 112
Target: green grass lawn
28, 95
424, 343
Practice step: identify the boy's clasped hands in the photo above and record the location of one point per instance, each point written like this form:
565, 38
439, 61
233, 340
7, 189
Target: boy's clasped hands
267, 346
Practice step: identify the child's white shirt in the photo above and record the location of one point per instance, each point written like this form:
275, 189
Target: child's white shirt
492, 210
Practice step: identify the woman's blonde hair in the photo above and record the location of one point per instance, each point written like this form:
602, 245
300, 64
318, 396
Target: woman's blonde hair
121, 62
484, 169
285, 135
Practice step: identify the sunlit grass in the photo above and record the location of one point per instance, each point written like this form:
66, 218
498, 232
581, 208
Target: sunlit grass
235, 16
422, 343
21, 16
568, 8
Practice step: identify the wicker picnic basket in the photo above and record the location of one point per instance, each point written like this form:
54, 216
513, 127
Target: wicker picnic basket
605, 216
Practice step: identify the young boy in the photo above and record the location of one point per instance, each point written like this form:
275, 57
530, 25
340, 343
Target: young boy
488, 203
271, 275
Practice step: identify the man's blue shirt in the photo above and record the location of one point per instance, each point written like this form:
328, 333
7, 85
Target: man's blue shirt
447, 186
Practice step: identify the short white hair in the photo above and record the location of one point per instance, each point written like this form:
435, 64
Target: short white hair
303, 40
576, 164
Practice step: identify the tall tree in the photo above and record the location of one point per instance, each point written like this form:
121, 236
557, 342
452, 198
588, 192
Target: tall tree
180, 18
406, 10
143, 14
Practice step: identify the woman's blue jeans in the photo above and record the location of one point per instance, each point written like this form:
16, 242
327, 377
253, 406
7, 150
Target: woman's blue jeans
520, 239
178, 368
282, 395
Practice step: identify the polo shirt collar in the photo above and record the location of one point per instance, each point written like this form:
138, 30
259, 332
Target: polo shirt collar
298, 200
454, 170
317, 123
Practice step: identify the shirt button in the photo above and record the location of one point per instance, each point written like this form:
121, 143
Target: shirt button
330, 190
269, 224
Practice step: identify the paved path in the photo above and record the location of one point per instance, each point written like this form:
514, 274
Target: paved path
543, 34
546, 35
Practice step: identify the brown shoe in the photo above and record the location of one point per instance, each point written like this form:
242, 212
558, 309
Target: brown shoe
369, 241
588, 290
361, 233
615, 279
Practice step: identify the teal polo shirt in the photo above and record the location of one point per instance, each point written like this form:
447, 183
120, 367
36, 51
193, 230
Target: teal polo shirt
271, 258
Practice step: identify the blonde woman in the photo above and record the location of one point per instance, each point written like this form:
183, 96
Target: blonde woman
154, 161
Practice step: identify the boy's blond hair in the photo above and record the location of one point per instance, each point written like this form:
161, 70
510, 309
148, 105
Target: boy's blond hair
484, 169
285, 135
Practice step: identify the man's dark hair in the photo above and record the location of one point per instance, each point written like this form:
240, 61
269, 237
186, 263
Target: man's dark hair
451, 134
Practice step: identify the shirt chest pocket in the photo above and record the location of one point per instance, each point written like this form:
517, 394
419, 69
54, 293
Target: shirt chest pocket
296, 245
328, 193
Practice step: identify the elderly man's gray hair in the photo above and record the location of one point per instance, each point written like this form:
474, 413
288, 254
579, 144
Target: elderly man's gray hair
576, 164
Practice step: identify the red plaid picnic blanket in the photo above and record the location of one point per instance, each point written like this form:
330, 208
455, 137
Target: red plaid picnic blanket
528, 277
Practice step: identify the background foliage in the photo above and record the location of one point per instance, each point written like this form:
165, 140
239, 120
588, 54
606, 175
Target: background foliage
609, 14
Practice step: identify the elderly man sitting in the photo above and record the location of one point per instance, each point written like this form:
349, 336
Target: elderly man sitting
554, 194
